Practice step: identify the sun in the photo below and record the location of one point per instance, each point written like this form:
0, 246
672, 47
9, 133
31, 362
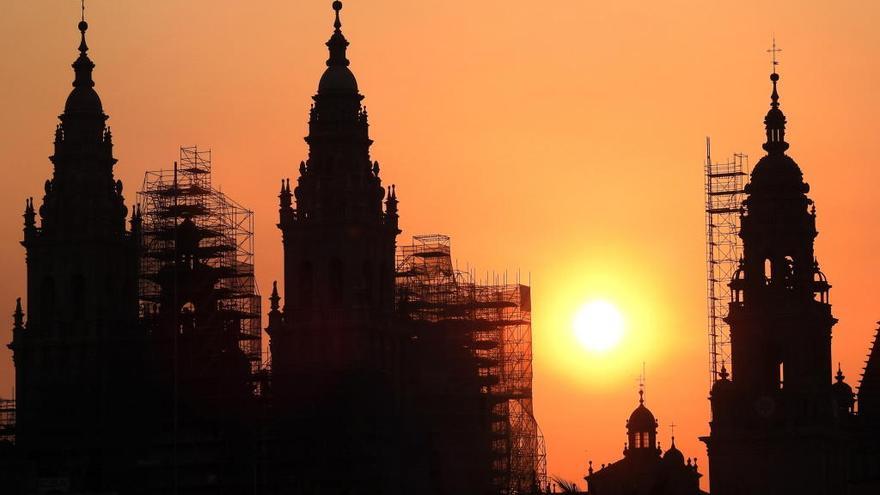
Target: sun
599, 326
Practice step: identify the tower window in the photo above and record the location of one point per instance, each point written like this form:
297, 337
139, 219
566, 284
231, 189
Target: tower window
781, 375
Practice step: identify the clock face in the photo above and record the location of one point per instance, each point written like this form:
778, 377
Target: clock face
765, 406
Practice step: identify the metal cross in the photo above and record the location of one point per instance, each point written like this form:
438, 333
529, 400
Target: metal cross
672, 427
773, 51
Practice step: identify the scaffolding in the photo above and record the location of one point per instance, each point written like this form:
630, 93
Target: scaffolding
724, 198
7, 421
226, 244
497, 318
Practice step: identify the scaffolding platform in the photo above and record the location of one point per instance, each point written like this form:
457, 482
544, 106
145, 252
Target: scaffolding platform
497, 321
225, 233
724, 188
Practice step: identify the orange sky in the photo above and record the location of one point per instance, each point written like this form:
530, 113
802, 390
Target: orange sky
563, 139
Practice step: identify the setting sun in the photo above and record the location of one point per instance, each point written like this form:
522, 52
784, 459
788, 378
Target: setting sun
599, 326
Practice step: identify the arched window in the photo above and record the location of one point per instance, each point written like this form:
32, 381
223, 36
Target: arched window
768, 270
781, 375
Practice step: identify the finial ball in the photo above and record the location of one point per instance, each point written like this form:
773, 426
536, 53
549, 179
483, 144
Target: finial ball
337, 5
774, 77
83, 25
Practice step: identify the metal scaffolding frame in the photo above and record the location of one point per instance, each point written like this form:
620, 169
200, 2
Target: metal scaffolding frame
227, 231
7, 420
498, 320
724, 188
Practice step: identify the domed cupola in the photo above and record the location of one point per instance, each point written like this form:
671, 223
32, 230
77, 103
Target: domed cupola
641, 429
673, 456
843, 393
776, 172
83, 98
338, 78
722, 385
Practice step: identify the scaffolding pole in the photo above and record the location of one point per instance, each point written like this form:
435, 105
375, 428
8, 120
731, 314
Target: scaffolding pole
497, 317
7, 420
226, 244
724, 198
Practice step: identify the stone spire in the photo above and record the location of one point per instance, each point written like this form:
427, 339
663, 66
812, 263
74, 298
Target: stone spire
337, 44
338, 78
82, 198
775, 122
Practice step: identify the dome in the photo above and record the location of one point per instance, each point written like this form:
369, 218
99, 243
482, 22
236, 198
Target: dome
337, 79
83, 100
775, 171
673, 455
842, 392
721, 386
642, 419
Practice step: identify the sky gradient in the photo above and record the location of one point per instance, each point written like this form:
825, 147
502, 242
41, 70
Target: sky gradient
565, 141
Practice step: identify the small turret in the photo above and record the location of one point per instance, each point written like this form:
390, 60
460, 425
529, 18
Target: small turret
30, 219
275, 315
18, 316
642, 429
843, 393
391, 214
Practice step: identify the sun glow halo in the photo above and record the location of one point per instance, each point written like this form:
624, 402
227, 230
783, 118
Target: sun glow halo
599, 326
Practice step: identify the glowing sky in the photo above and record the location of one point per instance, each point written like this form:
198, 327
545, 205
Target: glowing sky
564, 139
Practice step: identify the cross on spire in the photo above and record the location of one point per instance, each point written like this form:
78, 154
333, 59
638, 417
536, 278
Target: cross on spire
773, 51
83, 5
672, 429
641, 381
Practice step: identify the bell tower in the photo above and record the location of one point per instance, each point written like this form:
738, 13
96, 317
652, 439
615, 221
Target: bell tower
77, 355
334, 351
339, 241
775, 426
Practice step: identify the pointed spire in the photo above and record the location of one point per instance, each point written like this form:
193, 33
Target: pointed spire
18, 316
285, 196
29, 214
839, 376
775, 120
337, 43
723, 375
83, 99
83, 66
274, 298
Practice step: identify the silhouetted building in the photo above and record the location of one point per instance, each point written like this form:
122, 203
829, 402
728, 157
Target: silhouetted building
139, 366
863, 425
77, 357
335, 352
645, 469
468, 374
201, 310
779, 425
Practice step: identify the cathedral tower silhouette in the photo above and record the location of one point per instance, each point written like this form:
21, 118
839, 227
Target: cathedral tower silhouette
334, 352
77, 356
775, 425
